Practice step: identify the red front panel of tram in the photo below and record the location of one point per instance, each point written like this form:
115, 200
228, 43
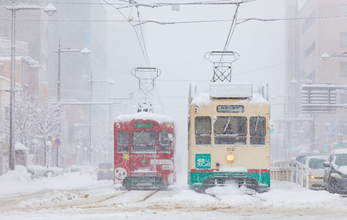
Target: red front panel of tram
144, 148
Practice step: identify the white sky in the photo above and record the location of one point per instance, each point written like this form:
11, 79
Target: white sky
178, 50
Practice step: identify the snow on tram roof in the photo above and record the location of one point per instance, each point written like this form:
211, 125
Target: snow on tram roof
144, 116
205, 99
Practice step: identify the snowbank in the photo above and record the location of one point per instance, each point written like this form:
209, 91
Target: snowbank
39, 171
19, 181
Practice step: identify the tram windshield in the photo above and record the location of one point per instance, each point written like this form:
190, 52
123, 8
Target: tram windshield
203, 130
230, 130
164, 142
143, 142
257, 128
123, 141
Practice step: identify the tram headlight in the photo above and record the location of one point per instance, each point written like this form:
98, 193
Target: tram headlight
230, 158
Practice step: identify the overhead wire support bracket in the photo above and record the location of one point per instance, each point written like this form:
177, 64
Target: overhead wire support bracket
146, 77
222, 62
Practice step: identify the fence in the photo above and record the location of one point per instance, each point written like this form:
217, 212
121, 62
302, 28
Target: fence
291, 171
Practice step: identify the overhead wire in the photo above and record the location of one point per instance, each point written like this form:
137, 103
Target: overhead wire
138, 39
152, 5
142, 45
242, 20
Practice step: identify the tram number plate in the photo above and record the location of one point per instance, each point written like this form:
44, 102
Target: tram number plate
231, 148
160, 162
166, 167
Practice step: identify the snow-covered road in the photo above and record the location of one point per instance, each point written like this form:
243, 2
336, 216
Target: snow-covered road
85, 198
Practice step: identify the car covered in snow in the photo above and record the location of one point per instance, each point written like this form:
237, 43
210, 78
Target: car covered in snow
105, 171
335, 176
316, 170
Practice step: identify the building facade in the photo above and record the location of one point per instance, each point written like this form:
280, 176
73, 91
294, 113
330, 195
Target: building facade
315, 27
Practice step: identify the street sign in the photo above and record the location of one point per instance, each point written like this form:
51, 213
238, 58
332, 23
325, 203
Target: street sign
340, 144
318, 98
57, 142
340, 138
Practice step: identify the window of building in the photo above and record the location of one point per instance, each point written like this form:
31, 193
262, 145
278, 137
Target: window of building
203, 130
311, 76
343, 39
310, 49
343, 128
308, 22
343, 68
343, 10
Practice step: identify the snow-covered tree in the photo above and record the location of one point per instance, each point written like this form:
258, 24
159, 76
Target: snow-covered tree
35, 119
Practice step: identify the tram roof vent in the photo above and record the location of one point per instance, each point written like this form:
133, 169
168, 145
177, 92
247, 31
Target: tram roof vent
231, 90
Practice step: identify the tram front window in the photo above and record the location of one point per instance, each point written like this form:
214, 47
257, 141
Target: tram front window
123, 141
257, 127
143, 142
164, 142
203, 130
230, 130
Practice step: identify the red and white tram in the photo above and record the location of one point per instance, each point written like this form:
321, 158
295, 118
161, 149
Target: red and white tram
144, 151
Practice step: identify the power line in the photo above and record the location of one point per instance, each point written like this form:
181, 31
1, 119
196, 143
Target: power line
152, 5
243, 20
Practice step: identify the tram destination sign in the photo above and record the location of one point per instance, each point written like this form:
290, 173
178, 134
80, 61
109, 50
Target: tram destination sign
143, 125
230, 108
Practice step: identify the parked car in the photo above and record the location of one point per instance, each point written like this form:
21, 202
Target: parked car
105, 171
335, 176
316, 171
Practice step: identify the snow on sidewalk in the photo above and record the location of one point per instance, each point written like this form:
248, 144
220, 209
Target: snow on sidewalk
19, 182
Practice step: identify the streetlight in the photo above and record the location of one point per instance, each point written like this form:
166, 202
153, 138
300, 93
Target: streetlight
85, 52
110, 82
50, 10
326, 56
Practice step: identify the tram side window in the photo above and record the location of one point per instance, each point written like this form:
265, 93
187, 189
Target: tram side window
230, 130
123, 141
257, 129
164, 142
143, 142
203, 130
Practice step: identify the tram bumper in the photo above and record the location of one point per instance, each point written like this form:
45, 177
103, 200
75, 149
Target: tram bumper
143, 182
206, 179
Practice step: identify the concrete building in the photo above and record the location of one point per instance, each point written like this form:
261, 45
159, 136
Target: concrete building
315, 27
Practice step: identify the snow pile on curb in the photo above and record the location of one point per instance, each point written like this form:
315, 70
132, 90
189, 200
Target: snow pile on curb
15, 178
39, 171
19, 182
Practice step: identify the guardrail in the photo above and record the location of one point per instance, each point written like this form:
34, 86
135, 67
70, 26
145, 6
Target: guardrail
291, 171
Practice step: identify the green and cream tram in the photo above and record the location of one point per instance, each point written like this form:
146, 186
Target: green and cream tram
229, 137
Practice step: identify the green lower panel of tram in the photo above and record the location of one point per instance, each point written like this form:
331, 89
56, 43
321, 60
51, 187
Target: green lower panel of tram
144, 183
253, 180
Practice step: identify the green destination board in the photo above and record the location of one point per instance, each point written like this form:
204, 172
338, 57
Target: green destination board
203, 161
143, 125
